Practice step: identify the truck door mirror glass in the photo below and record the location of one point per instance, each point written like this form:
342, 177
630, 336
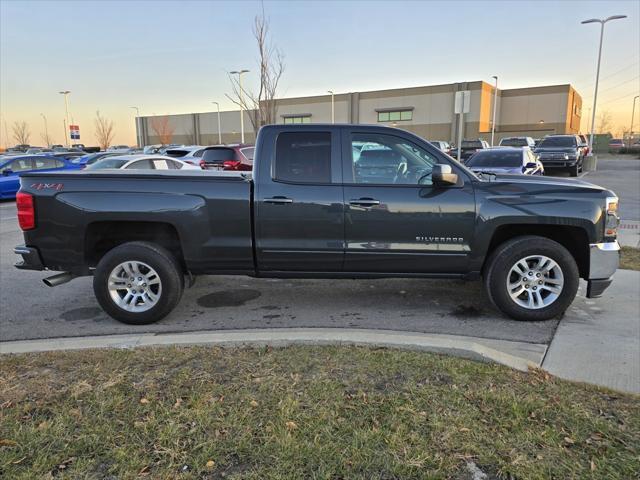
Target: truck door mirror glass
531, 165
442, 175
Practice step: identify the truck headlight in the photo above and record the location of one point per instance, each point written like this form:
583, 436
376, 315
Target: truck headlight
612, 220
566, 156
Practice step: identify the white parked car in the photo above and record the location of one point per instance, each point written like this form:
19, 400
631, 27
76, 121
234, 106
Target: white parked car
190, 154
118, 148
141, 162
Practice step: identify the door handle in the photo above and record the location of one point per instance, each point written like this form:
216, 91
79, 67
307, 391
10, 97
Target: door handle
278, 200
364, 202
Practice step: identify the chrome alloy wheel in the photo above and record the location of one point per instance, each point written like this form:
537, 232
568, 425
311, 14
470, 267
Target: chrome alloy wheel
134, 286
535, 282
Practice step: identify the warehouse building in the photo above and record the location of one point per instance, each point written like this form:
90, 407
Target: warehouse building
427, 111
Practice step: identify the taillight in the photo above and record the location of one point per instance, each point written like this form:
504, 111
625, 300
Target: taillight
231, 165
26, 212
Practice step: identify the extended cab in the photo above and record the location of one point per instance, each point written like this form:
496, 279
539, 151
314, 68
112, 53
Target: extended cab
323, 201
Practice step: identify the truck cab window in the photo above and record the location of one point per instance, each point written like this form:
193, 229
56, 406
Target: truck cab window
389, 160
303, 157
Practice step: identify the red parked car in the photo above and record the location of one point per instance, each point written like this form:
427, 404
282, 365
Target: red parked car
228, 157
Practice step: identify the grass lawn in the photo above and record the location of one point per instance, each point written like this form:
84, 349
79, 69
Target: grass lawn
630, 258
304, 412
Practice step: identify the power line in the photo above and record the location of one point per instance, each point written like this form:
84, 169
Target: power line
621, 83
621, 97
593, 82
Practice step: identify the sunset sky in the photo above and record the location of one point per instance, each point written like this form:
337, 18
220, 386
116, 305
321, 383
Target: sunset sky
172, 57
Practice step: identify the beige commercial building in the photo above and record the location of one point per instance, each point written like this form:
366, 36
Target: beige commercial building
427, 111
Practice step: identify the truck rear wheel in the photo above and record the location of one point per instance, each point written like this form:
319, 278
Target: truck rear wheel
138, 283
531, 278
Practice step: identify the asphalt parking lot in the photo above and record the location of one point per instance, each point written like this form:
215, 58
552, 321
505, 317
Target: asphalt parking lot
30, 310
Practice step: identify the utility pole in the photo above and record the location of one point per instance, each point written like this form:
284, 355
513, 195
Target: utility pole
219, 124
633, 111
495, 100
595, 94
333, 110
239, 73
67, 135
46, 130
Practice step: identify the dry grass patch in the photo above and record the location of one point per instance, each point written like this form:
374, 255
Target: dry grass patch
630, 258
303, 412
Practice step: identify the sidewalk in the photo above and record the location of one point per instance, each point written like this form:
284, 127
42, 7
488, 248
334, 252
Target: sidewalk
600, 344
629, 233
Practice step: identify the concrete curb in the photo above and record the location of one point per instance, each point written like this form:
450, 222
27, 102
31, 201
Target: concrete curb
518, 355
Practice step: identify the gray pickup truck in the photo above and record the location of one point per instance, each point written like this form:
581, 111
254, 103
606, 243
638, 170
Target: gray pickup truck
323, 201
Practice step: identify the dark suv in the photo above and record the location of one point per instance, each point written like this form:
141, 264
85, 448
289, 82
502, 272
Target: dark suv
561, 151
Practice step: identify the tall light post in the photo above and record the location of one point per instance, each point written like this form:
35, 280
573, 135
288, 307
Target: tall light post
138, 135
66, 116
633, 111
495, 100
46, 129
595, 94
333, 109
219, 124
239, 73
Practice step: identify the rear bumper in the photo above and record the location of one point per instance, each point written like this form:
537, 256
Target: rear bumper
31, 259
604, 259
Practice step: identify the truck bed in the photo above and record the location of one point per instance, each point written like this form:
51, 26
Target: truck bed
206, 214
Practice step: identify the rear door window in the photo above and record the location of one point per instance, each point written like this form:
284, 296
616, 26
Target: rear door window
303, 157
43, 163
141, 165
21, 165
160, 164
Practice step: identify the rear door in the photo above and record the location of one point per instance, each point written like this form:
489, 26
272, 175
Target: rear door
396, 220
299, 205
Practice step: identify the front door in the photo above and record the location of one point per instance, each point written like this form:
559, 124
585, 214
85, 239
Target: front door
299, 206
396, 220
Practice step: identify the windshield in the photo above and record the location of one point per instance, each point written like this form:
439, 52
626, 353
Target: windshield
496, 159
107, 163
514, 142
176, 153
218, 155
471, 144
558, 142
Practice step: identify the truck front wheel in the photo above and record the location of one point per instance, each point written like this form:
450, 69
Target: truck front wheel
531, 278
138, 283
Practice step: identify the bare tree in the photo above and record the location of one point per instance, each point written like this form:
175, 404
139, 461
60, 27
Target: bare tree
163, 129
104, 131
21, 132
604, 122
261, 106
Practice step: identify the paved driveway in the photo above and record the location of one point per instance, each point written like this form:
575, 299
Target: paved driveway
31, 310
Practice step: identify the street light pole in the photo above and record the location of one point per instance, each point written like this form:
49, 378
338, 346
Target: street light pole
633, 111
239, 73
138, 135
595, 94
46, 130
333, 110
219, 124
495, 100
67, 135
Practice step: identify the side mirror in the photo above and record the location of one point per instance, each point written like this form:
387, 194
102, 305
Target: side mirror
442, 175
6, 172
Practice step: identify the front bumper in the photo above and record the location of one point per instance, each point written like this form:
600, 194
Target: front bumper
31, 259
604, 259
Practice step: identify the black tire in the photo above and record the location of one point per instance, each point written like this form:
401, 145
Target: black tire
158, 258
506, 255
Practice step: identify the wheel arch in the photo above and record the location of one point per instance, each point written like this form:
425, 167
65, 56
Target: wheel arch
574, 239
102, 236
